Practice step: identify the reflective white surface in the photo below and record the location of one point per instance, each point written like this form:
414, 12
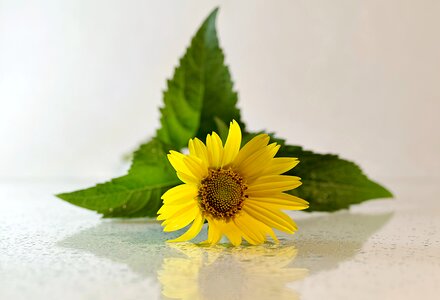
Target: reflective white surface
386, 249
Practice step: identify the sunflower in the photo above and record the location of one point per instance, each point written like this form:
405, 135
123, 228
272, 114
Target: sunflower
239, 192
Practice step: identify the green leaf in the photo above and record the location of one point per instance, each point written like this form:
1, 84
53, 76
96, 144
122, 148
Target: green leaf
222, 129
329, 182
136, 194
199, 99
200, 91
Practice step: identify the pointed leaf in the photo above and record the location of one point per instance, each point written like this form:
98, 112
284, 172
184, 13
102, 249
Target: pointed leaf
329, 182
136, 194
200, 90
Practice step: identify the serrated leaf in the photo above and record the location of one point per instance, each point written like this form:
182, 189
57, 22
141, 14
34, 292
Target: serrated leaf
200, 90
136, 194
222, 129
200, 98
329, 182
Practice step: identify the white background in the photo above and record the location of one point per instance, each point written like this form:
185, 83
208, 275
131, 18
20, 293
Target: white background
81, 81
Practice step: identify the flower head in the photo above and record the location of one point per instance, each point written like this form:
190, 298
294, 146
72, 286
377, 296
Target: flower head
239, 192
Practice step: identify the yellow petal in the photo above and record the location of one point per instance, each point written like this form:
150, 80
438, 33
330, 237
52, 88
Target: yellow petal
281, 201
180, 220
251, 147
214, 234
168, 211
280, 165
270, 218
186, 178
258, 227
180, 194
196, 167
198, 149
214, 147
176, 160
267, 185
233, 143
192, 231
273, 236
258, 161
232, 233
249, 234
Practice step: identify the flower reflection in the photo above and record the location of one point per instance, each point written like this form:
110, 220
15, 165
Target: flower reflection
259, 272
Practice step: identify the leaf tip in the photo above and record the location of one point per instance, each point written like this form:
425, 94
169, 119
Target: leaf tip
66, 197
61, 196
212, 16
214, 12
382, 191
387, 193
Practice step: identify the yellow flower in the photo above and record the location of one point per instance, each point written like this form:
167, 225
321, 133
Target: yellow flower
240, 192
200, 273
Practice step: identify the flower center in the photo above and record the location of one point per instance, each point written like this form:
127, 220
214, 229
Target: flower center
221, 193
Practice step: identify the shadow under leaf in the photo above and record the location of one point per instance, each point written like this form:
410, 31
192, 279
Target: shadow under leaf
325, 241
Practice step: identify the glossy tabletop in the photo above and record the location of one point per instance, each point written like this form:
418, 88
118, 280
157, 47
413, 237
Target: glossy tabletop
383, 249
